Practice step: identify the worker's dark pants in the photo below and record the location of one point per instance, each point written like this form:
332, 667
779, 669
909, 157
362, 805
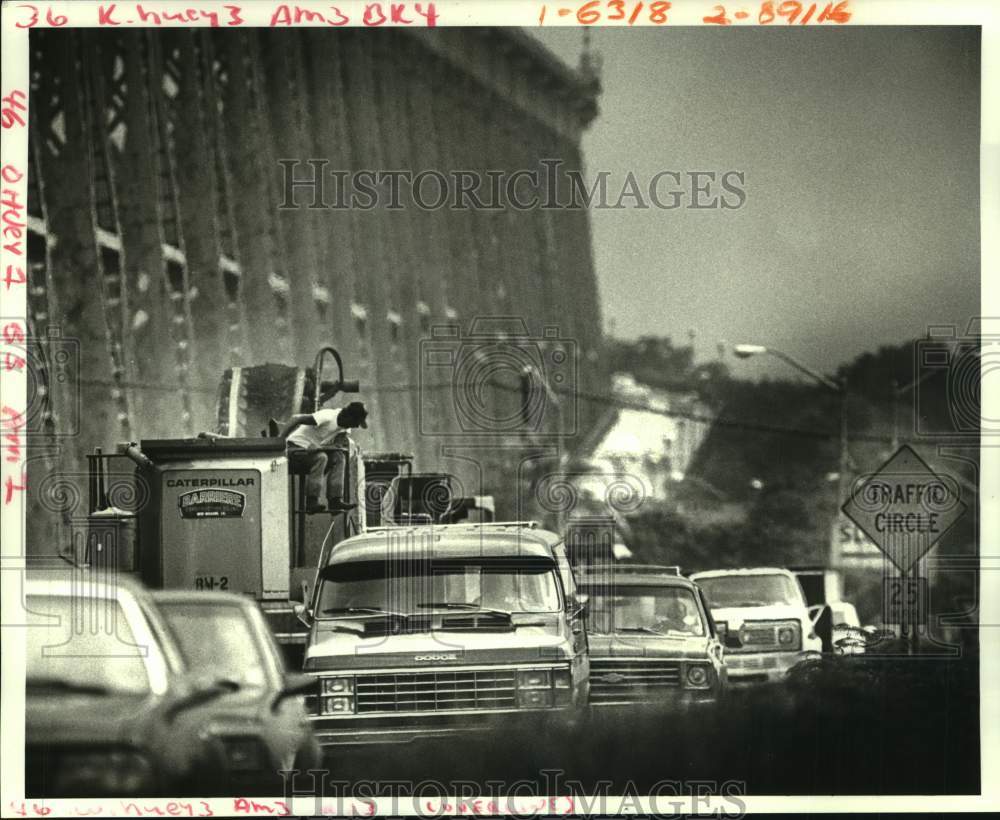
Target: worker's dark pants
326, 473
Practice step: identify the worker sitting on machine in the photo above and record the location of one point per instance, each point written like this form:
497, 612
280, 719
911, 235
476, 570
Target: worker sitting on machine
306, 435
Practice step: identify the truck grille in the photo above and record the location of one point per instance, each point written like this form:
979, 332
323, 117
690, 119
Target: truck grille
436, 691
632, 680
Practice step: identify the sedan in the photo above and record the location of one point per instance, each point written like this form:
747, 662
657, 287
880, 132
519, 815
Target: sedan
261, 722
107, 694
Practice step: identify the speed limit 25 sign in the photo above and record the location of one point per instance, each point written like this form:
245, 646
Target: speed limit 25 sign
904, 601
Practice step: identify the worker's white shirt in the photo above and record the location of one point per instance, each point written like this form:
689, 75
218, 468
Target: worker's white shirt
320, 434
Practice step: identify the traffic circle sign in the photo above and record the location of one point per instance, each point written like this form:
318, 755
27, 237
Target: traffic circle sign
905, 507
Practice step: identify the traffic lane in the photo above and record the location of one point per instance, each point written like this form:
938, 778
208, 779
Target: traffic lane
651, 742
880, 727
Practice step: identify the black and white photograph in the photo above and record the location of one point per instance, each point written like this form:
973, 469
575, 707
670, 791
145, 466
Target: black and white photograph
406, 412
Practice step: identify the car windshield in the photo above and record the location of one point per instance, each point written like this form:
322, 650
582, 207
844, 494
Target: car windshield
374, 587
219, 640
750, 590
645, 609
83, 645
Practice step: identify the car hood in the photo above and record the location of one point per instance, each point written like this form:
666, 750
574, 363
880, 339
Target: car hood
647, 646
65, 719
736, 615
527, 644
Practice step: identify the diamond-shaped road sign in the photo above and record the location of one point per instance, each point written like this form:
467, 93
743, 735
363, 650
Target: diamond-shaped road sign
905, 507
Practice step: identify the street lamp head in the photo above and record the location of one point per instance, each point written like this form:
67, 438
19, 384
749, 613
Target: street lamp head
746, 351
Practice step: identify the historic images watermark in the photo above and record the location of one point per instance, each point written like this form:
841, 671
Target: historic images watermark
549, 794
498, 359
313, 184
959, 360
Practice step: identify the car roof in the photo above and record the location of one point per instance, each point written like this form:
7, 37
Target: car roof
76, 581
183, 597
67, 580
187, 596
632, 575
450, 541
722, 573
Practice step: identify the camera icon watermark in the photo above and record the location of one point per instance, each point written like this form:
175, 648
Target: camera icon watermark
948, 386
497, 379
51, 365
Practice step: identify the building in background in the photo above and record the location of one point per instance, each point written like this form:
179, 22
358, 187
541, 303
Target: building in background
159, 256
650, 436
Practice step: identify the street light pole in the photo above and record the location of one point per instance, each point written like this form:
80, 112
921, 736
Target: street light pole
528, 374
745, 351
897, 393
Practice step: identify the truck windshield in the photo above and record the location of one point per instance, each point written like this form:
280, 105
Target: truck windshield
750, 590
376, 587
646, 609
88, 648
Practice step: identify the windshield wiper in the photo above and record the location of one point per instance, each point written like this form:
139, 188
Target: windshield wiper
646, 629
750, 603
350, 630
466, 607
63, 685
362, 610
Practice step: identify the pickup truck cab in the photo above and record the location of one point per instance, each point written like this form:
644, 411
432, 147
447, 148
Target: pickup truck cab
762, 617
652, 639
428, 631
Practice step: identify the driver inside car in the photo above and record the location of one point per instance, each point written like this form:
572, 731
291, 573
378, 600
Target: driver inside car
675, 616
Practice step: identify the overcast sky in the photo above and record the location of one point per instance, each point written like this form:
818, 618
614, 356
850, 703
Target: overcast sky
860, 147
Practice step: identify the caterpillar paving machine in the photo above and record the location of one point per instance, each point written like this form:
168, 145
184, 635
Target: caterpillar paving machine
226, 510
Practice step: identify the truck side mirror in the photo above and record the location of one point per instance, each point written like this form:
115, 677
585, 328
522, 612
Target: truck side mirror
579, 606
822, 620
303, 613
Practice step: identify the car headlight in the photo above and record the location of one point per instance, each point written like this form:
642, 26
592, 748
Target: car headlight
534, 679
243, 754
104, 773
697, 676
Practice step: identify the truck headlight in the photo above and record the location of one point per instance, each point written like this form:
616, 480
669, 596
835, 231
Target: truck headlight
336, 705
544, 688
789, 636
534, 679
534, 698
338, 686
562, 683
697, 676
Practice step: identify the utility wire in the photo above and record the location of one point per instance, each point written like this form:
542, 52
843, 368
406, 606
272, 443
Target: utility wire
606, 400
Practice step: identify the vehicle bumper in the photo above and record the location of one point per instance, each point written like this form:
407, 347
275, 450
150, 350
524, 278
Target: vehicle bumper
754, 668
389, 729
681, 700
